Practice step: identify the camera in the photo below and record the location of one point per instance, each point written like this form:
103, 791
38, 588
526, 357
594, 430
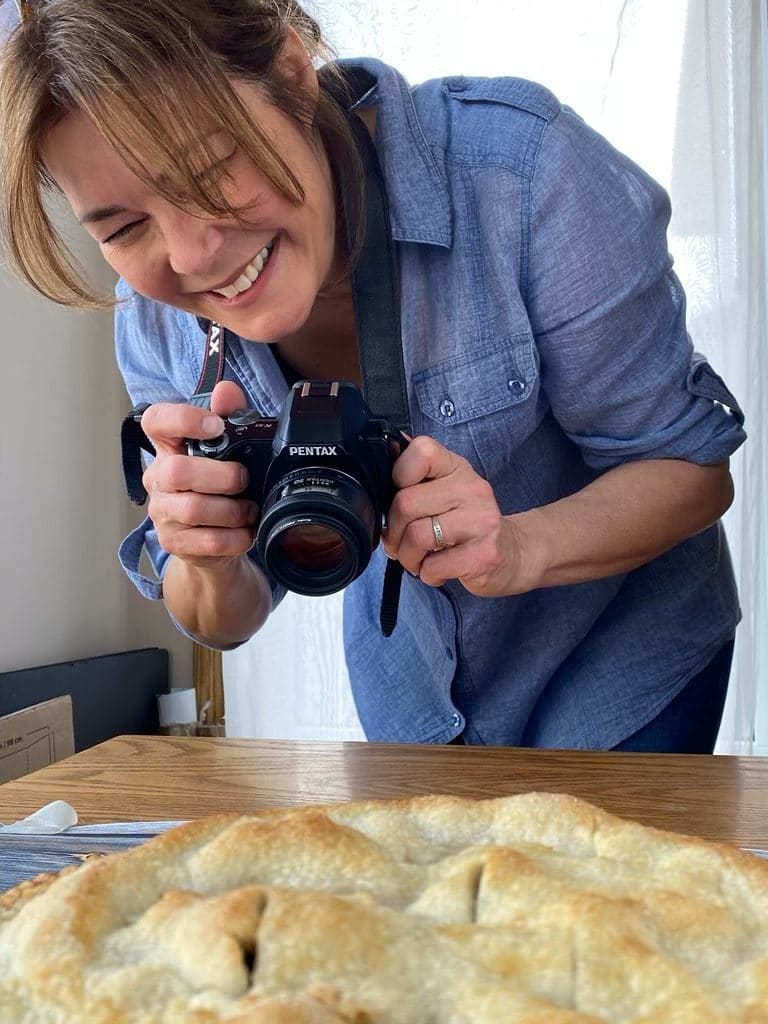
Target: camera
322, 476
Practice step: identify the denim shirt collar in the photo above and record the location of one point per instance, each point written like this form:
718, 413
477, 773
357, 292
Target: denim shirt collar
419, 202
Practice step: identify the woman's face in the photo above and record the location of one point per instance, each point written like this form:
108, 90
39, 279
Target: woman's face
260, 278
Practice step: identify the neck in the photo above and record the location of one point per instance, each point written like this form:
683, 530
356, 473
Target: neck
325, 347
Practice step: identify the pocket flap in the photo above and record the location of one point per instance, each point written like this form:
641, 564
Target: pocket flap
477, 383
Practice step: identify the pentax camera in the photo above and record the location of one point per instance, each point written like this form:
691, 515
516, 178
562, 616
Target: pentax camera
322, 476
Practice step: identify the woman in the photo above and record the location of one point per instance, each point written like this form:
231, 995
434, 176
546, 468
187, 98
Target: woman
568, 581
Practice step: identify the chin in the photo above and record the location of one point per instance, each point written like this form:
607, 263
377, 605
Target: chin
270, 326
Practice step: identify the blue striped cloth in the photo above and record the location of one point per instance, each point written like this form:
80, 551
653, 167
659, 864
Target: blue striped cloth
24, 856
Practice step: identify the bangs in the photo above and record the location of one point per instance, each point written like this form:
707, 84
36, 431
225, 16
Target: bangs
177, 136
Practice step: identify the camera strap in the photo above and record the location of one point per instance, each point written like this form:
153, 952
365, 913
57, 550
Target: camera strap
375, 285
377, 311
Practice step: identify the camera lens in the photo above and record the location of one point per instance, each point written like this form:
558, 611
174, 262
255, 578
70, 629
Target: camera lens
312, 547
317, 531
313, 556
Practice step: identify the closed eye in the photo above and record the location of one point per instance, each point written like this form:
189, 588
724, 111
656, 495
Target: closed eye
124, 231
213, 175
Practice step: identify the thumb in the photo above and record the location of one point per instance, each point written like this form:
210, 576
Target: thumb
227, 397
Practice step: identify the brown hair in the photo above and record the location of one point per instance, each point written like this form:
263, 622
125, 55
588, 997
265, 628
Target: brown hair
147, 74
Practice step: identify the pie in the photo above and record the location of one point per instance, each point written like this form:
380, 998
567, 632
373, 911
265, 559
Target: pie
530, 909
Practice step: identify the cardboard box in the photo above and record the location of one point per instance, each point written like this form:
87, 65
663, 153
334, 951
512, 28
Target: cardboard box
35, 737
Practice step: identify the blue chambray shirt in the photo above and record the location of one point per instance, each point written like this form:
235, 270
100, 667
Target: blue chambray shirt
544, 340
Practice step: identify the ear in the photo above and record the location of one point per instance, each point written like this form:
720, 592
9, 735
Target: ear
295, 63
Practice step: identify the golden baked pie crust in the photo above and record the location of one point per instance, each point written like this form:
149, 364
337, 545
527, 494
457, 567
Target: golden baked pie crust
530, 909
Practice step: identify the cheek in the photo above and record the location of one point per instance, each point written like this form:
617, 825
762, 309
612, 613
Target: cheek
142, 273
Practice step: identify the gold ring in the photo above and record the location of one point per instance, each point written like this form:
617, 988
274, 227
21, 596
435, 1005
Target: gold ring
439, 535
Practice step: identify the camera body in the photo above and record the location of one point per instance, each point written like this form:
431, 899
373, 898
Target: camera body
322, 476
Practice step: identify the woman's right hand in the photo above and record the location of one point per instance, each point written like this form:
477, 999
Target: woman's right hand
193, 500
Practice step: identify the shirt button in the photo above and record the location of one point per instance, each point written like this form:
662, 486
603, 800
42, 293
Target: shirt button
516, 386
456, 85
455, 719
447, 408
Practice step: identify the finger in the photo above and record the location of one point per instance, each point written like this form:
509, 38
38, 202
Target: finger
227, 397
169, 424
187, 508
424, 459
478, 566
398, 444
419, 539
485, 564
420, 502
438, 567
462, 489
199, 543
175, 473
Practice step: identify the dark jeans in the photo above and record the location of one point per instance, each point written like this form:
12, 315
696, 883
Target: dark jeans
689, 723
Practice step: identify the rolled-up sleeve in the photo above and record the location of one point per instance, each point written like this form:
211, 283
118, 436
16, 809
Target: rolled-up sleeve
608, 312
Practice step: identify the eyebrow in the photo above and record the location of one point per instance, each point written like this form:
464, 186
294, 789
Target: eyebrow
103, 213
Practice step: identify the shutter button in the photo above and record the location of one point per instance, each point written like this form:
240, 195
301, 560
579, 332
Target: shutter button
215, 445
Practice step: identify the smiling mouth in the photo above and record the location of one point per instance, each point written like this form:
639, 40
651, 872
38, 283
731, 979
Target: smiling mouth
249, 275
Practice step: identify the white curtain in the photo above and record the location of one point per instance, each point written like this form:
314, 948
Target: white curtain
680, 86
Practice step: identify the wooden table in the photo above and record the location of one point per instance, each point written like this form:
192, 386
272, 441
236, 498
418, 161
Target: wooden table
150, 778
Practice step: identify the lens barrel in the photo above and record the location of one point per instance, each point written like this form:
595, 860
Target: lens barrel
318, 529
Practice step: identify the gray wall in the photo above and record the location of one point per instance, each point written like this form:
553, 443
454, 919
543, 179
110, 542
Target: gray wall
63, 511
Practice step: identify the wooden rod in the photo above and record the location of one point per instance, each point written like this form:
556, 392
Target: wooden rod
209, 681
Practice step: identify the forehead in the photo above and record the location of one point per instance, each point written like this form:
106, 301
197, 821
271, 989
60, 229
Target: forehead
83, 164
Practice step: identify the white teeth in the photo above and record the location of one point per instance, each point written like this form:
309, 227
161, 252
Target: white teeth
248, 276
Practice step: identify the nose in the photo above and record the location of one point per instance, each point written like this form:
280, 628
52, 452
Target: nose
194, 244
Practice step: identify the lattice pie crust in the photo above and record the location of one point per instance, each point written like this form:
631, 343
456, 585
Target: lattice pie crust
532, 909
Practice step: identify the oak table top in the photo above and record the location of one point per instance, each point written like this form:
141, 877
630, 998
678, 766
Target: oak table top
152, 778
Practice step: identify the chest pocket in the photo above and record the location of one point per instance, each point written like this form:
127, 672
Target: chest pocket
482, 404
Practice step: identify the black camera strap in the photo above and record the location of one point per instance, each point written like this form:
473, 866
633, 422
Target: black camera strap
377, 312
375, 286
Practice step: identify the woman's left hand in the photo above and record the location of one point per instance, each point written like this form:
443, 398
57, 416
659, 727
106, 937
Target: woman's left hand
445, 523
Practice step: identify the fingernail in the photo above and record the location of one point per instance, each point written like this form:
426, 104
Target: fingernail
213, 426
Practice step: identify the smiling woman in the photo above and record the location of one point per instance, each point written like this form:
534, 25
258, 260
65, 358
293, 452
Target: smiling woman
568, 582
